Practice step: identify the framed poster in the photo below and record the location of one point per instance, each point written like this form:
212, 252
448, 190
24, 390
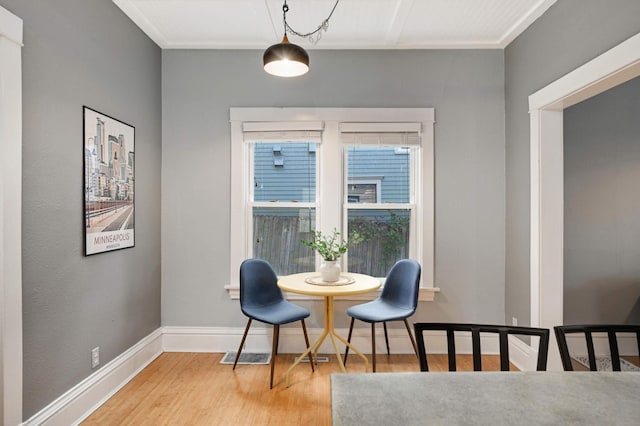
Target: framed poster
109, 183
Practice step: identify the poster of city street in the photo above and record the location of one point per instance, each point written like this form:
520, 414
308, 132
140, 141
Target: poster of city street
109, 182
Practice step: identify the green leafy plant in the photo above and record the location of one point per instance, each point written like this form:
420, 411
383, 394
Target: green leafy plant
328, 246
390, 231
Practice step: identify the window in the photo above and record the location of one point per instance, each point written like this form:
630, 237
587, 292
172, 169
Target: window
365, 170
382, 207
283, 202
361, 189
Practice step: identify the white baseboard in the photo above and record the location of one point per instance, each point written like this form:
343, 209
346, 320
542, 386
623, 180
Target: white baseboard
219, 339
214, 339
83, 399
522, 355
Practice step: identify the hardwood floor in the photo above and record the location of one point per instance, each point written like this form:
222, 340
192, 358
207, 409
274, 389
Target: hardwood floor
195, 389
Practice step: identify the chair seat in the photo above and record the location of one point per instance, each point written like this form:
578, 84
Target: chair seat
379, 310
282, 312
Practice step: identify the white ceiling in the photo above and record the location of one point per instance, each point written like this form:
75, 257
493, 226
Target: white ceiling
356, 24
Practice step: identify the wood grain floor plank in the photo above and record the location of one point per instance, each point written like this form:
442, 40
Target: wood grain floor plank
195, 389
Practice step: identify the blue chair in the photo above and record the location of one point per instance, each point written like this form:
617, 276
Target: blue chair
261, 299
398, 301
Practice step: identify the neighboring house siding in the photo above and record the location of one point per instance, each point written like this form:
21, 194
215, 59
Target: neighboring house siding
294, 180
286, 172
389, 165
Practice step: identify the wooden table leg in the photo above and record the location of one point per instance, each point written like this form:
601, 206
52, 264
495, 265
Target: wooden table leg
307, 353
329, 330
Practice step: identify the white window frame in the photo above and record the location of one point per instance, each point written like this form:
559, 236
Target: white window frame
330, 202
367, 180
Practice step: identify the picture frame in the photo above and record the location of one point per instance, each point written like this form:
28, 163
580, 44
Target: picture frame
109, 183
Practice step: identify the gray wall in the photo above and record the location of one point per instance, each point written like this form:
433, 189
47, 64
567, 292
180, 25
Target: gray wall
569, 34
466, 88
79, 52
602, 201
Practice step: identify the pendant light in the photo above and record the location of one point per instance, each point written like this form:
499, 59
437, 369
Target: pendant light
287, 59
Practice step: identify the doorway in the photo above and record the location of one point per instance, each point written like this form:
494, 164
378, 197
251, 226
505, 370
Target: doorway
546, 106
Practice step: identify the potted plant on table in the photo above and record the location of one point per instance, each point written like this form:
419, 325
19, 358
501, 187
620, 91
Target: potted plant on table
330, 248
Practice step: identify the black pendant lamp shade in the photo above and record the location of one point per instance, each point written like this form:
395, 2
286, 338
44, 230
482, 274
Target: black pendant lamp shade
286, 59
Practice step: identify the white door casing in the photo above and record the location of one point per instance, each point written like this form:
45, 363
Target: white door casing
10, 218
546, 106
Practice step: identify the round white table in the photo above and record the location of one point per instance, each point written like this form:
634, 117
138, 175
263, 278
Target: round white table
299, 283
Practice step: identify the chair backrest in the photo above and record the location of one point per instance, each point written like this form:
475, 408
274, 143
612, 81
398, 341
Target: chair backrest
503, 332
402, 284
587, 331
258, 284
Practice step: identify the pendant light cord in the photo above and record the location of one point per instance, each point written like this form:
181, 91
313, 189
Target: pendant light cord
310, 35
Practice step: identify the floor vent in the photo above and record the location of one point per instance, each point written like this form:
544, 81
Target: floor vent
246, 358
319, 359
259, 358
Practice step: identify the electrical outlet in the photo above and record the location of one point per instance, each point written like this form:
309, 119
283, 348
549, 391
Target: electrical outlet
95, 357
514, 321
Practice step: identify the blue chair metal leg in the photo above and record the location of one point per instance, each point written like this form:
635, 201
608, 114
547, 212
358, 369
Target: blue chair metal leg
373, 345
413, 340
346, 351
274, 351
244, 336
386, 336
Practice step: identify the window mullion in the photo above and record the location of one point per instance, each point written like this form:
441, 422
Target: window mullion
330, 180
249, 194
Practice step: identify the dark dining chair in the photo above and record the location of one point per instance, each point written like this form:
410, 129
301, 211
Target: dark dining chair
587, 331
503, 332
261, 299
398, 301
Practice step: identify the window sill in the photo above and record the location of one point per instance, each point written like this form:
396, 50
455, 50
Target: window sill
425, 294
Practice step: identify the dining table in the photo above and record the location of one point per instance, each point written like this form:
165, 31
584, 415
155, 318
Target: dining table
311, 284
486, 398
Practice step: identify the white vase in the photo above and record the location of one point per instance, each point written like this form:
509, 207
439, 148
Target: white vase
330, 271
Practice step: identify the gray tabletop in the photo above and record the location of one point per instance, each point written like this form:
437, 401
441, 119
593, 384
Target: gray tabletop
486, 398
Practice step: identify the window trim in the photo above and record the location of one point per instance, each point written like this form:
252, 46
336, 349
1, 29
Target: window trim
366, 180
332, 121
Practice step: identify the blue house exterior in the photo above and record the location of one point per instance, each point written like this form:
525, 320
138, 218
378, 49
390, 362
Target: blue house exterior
286, 172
